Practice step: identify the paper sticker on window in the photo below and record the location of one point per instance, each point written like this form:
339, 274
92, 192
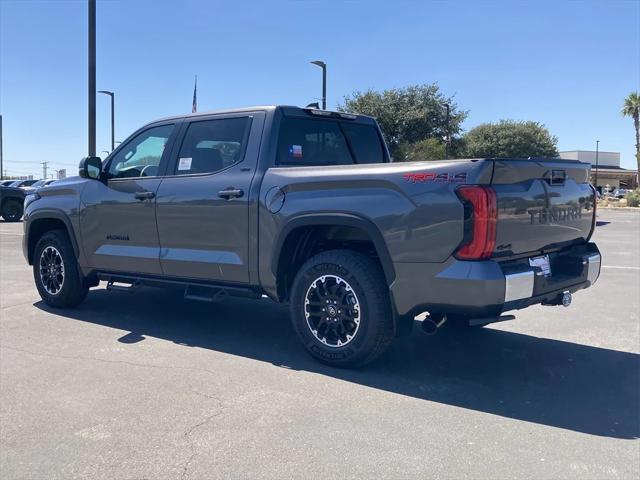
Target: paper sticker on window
184, 164
295, 151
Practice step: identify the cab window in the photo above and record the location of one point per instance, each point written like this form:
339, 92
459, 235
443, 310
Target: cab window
140, 156
307, 142
212, 145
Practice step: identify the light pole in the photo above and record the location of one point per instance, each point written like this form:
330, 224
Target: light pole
1, 166
447, 139
113, 124
323, 66
92, 77
597, 148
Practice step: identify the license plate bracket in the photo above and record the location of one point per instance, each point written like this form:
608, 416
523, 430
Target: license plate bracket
542, 262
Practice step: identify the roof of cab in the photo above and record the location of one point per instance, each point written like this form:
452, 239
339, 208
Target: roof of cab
287, 110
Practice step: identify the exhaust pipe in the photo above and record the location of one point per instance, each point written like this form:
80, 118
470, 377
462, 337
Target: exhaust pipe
432, 323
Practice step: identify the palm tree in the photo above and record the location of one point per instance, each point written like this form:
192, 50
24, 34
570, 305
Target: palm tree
631, 108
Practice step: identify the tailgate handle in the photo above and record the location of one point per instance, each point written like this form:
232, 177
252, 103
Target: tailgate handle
558, 177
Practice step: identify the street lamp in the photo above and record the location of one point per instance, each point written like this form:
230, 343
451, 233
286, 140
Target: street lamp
113, 127
323, 66
447, 139
597, 148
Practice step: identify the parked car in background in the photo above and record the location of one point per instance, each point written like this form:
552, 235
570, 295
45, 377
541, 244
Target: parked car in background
11, 203
38, 184
6, 183
22, 183
43, 183
621, 192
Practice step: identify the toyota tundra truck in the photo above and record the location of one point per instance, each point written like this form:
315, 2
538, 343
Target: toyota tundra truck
306, 207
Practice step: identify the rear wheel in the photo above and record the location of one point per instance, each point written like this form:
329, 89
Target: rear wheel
55, 271
12, 210
340, 308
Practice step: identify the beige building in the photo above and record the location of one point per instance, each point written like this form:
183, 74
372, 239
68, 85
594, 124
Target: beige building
610, 174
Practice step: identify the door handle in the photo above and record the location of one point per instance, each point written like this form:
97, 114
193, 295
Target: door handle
230, 192
145, 195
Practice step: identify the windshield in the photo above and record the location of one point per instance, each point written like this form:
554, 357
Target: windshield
39, 183
16, 183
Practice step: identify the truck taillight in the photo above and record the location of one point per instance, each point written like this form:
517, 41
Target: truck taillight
480, 239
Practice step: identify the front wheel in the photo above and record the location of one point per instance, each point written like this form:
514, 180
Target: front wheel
12, 210
55, 271
340, 308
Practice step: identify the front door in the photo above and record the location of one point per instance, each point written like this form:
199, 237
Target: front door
203, 202
118, 220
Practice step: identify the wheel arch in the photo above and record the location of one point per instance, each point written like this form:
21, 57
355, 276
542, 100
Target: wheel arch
295, 235
42, 222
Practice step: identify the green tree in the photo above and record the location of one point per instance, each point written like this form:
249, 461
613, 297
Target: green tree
407, 115
631, 108
427, 149
510, 139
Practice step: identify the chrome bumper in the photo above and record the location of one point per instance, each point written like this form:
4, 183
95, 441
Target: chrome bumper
521, 284
518, 285
593, 266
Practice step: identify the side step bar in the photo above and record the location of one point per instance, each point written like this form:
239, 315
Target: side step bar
116, 286
205, 294
192, 290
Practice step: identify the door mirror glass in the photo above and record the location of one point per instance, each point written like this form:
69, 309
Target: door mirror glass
90, 167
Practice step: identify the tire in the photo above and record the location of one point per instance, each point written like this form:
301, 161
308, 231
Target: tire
12, 210
56, 272
347, 336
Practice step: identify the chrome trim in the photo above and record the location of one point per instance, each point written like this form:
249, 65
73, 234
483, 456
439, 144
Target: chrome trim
518, 285
593, 267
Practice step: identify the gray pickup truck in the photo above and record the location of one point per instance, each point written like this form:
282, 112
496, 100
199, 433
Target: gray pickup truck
306, 207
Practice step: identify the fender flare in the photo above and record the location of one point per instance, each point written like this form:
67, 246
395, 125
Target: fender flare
336, 219
51, 214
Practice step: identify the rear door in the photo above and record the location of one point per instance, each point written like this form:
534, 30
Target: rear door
203, 203
118, 219
541, 205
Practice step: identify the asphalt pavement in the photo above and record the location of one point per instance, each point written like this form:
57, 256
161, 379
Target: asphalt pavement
149, 385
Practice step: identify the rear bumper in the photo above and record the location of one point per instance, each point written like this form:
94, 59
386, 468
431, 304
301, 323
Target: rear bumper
490, 287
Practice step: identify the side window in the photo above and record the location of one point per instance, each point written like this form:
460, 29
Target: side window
213, 145
305, 142
140, 157
365, 142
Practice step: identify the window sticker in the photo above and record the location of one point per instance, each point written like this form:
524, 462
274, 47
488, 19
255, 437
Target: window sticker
184, 164
295, 151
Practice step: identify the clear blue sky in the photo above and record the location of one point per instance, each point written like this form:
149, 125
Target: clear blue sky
566, 64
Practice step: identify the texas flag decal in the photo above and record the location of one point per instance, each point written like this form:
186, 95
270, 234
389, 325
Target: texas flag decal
295, 151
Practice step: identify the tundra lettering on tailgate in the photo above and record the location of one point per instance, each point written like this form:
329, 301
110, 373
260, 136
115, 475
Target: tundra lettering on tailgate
555, 214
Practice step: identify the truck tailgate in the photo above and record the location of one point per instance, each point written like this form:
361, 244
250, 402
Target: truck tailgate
542, 205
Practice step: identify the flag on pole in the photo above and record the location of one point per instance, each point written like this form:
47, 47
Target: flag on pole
194, 105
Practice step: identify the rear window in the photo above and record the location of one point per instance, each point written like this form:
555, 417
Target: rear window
365, 142
313, 142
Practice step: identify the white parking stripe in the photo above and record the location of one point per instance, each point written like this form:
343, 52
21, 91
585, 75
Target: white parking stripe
621, 267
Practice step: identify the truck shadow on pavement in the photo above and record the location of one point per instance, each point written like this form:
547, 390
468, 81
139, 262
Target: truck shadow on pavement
549, 382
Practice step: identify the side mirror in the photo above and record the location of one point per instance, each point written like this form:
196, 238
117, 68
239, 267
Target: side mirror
90, 167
